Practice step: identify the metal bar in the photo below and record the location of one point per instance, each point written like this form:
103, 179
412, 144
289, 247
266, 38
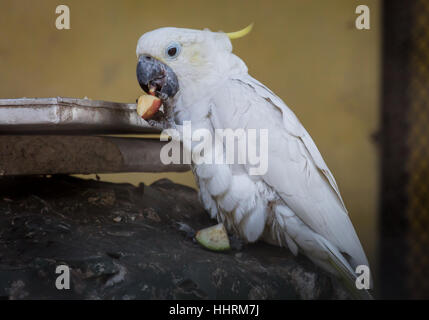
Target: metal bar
393, 271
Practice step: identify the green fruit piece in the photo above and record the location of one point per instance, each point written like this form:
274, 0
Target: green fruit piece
214, 238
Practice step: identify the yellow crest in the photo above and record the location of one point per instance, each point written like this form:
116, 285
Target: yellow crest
241, 33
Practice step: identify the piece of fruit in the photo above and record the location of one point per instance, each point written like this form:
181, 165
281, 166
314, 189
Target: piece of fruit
148, 105
214, 238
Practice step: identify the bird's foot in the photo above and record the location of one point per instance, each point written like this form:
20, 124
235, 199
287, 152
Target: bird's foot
236, 242
188, 230
160, 122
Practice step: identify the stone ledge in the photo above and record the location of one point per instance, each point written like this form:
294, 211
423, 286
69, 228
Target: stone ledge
123, 242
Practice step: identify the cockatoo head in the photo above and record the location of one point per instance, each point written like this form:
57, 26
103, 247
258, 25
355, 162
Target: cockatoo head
172, 60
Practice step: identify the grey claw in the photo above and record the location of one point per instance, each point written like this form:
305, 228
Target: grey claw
156, 124
190, 232
236, 242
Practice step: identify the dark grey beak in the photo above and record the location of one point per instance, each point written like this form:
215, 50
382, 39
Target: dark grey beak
152, 74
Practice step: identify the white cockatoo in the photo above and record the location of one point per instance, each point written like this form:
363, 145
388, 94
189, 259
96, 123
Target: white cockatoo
296, 202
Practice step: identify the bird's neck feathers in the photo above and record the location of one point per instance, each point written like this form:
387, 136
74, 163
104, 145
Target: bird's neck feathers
195, 95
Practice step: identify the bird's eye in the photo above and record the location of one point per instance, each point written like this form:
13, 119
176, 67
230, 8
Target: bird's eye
173, 50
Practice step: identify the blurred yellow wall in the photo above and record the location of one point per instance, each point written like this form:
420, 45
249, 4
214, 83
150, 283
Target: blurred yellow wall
308, 52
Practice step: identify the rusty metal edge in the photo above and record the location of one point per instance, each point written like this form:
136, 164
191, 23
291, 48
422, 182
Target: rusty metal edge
69, 115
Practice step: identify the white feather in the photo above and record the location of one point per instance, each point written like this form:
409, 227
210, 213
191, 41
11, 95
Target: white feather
219, 183
253, 224
240, 193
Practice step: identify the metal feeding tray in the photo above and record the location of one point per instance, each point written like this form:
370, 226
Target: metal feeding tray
69, 115
62, 136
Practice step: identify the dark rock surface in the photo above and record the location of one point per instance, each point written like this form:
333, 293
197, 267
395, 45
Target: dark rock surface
124, 242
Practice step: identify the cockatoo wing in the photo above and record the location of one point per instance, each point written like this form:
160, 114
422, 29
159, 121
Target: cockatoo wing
296, 169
